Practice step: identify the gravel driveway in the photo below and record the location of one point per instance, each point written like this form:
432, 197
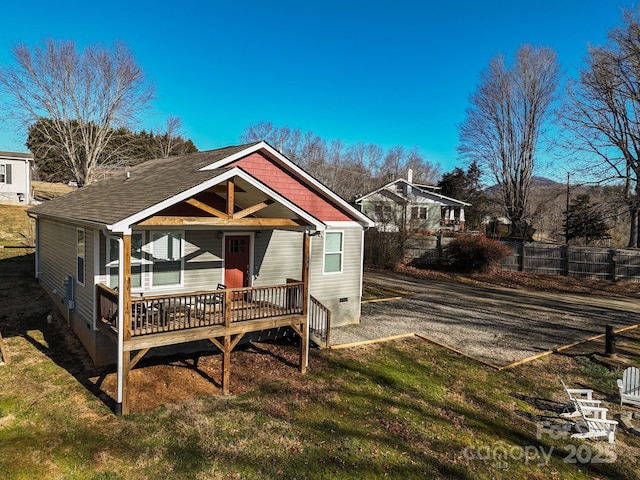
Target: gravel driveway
496, 325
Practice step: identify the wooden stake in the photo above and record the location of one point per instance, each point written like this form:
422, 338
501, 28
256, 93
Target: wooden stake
4, 358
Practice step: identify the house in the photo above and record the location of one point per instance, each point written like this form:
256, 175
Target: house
404, 205
15, 177
207, 246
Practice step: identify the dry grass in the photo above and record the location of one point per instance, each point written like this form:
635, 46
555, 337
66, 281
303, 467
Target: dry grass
17, 230
530, 281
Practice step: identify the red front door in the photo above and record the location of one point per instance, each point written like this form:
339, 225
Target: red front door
236, 261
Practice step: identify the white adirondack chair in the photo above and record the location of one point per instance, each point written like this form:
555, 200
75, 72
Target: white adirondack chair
629, 386
594, 426
584, 396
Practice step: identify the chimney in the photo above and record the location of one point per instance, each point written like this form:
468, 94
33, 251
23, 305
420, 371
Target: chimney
409, 181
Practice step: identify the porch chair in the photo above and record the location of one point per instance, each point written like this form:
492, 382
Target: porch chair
629, 386
594, 426
584, 397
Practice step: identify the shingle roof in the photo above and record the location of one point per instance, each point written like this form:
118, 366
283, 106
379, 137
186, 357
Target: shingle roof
118, 197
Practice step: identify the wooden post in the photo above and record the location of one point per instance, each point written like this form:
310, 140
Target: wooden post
304, 338
227, 307
226, 364
610, 341
4, 358
126, 320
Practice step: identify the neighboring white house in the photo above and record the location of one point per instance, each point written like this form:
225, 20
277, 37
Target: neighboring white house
15, 177
417, 208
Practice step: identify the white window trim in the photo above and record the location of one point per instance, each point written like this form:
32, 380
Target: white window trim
84, 257
324, 252
152, 263
3, 173
115, 264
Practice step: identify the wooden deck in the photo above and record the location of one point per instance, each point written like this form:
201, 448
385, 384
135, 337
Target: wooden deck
221, 316
168, 320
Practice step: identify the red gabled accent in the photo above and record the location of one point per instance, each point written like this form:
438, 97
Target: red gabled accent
290, 187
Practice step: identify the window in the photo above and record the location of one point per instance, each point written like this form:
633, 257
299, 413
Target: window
5, 173
419, 213
383, 212
136, 261
80, 250
167, 259
333, 252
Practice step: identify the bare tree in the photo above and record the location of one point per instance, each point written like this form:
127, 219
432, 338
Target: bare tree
86, 96
505, 121
171, 141
602, 114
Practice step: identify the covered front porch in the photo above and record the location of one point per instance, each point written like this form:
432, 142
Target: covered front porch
222, 314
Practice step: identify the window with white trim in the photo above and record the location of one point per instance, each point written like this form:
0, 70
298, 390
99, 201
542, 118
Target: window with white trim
113, 261
419, 213
333, 252
382, 212
80, 255
5, 173
167, 259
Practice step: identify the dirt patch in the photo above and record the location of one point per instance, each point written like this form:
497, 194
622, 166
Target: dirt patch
165, 380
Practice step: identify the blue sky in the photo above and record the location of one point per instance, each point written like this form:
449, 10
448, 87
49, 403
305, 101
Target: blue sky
384, 72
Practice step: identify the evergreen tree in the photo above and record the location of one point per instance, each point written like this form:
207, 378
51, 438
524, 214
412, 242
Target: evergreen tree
584, 220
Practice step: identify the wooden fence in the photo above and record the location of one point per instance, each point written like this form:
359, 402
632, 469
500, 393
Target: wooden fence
579, 262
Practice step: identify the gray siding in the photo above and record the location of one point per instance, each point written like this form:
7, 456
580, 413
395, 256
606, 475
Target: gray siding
57, 260
203, 260
341, 293
277, 257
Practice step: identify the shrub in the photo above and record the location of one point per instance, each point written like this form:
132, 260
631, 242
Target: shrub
382, 249
475, 253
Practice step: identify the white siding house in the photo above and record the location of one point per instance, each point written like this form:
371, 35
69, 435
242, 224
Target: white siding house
15, 177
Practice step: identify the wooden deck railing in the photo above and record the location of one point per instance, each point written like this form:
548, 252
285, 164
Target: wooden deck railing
167, 313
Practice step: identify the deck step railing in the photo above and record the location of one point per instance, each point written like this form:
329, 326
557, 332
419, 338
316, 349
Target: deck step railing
319, 323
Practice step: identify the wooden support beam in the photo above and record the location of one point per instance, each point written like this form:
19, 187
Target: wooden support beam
253, 209
217, 221
206, 208
231, 193
137, 358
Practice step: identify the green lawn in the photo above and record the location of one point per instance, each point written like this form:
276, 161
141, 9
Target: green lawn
406, 409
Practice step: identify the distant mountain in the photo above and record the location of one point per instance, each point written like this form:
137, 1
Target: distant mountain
536, 183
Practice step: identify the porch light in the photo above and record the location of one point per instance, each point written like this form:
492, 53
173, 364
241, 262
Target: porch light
220, 234
258, 234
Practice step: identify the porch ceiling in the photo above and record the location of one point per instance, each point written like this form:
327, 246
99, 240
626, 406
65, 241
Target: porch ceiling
251, 207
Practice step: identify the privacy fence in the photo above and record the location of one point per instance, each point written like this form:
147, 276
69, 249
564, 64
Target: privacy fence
579, 262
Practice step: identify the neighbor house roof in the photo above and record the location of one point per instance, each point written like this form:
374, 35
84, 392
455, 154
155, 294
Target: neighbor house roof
422, 189
16, 156
131, 195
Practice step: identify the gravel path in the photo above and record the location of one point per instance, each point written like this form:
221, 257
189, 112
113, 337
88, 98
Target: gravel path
496, 325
